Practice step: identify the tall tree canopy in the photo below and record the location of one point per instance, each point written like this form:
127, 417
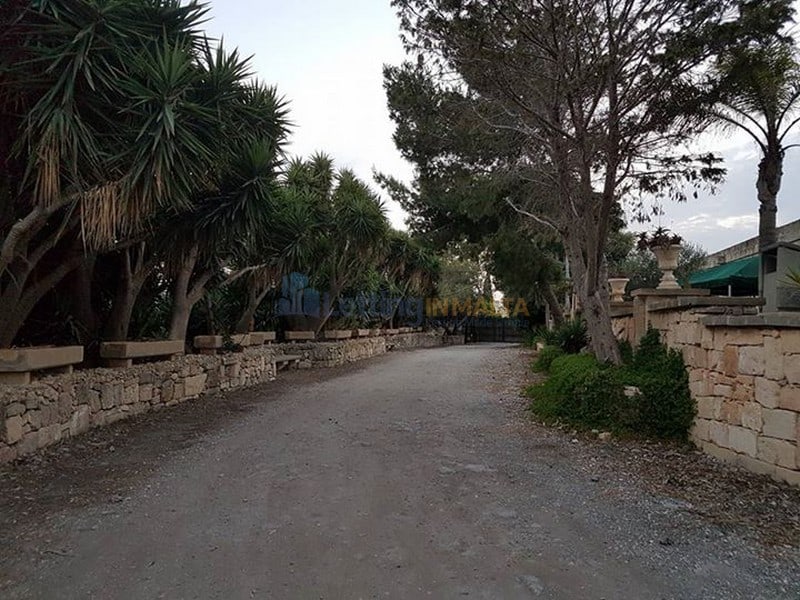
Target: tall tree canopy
591, 94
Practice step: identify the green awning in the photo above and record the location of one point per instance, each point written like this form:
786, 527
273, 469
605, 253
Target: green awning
742, 272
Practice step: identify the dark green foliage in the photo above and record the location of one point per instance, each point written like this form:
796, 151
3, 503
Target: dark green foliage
666, 408
649, 352
589, 394
579, 390
571, 337
626, 351
545, 358
545, 336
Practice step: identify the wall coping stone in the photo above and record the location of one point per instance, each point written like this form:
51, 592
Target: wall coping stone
258, 338
215, 342
766, 320
621, 309
652, 292
16, 360
337, 334
141, 349
704, 301
299, 335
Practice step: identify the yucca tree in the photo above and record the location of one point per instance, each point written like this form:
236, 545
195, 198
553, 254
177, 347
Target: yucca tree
409, 268
127, 128
347, 226
356, 238
218, 239
90, 154
229, 218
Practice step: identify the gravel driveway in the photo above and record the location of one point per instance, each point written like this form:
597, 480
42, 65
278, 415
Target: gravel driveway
413, 475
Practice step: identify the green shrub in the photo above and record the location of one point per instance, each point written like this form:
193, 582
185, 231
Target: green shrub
626, 352
572, 337
545, 358
666, 407
560, 396
600, 400
650, 352
545, 336
586, 393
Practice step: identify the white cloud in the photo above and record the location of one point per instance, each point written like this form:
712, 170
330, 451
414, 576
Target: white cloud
738, 221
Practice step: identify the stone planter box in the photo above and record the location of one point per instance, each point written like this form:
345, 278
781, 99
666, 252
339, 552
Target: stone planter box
362, 332
337, 334
391, 331
406, 330
299, 336
210, 344
122, 354
17, 364
257, 338
375, 332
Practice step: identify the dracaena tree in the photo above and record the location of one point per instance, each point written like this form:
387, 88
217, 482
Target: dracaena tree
86, 159
126, 134
346, 228
409, 269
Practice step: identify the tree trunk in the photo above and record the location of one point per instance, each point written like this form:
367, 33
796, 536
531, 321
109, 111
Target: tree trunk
181, 309
129, 286
333, 299
554, 305
179, 324
186, 293
12, 317
595, 303
82, 302
254, 298
770, 175
119, 320
18, 300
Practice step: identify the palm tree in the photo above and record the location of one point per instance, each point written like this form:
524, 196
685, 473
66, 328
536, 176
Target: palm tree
760, 95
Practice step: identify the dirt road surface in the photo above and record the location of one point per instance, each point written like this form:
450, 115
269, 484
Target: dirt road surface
414, 475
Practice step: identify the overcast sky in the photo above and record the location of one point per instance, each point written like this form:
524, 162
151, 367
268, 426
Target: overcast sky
326, 57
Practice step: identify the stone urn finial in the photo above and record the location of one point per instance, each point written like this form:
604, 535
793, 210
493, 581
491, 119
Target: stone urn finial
667, 248
667, 257
618, 286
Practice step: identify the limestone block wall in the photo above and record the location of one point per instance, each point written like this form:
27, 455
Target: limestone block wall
54, 408
744, 373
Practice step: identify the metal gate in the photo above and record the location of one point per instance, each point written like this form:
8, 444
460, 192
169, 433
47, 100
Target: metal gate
481, 330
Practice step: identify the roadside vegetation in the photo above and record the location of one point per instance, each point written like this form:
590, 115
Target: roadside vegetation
647, 395
146, 191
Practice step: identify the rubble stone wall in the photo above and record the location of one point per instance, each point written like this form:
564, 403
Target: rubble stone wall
53, 408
